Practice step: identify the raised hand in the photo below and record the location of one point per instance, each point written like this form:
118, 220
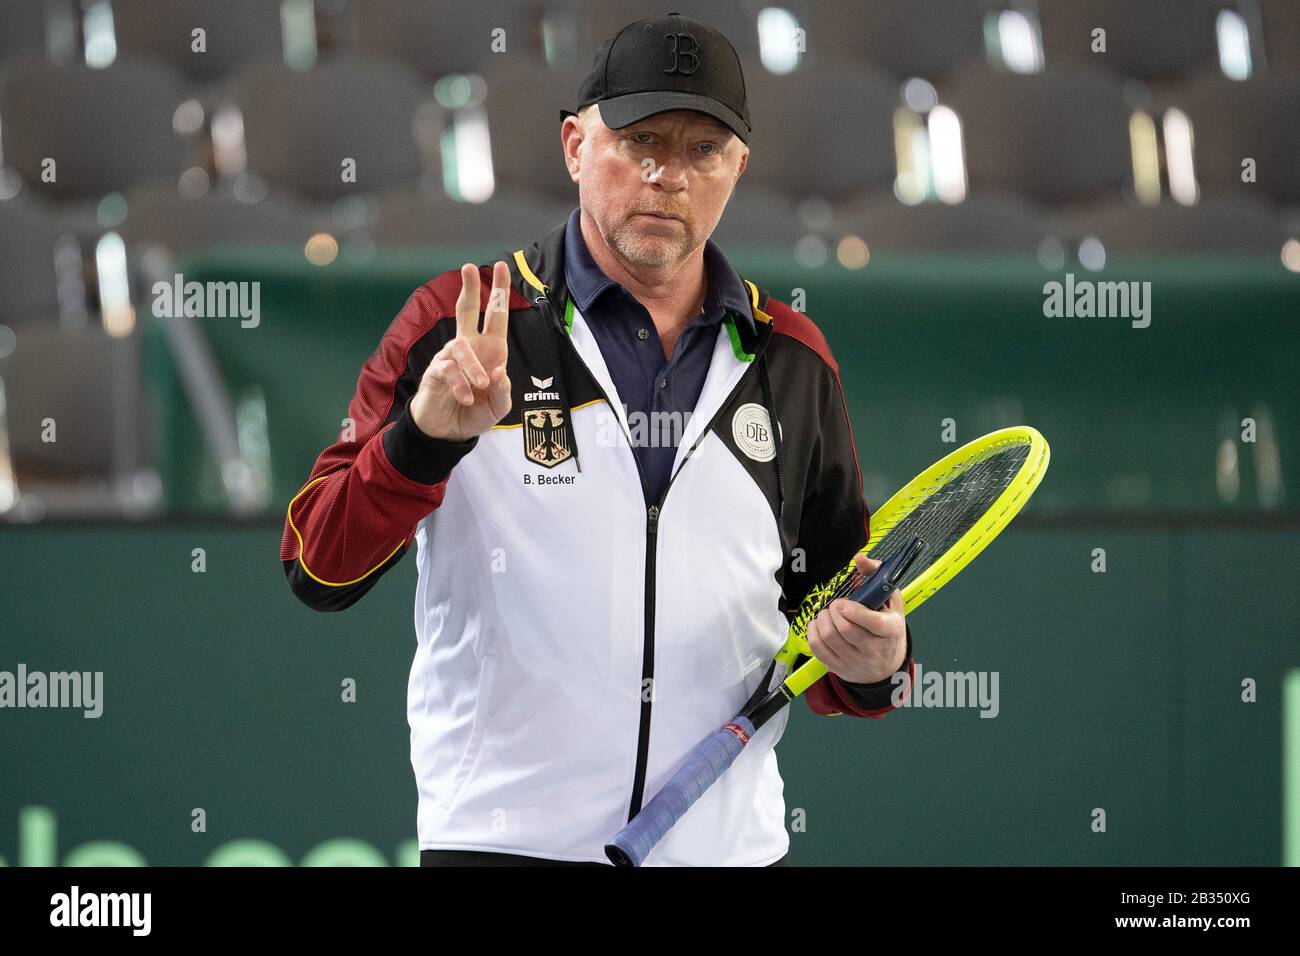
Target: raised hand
465, 389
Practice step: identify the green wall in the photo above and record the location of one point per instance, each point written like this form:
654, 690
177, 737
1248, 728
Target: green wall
1119, 690
1137, 417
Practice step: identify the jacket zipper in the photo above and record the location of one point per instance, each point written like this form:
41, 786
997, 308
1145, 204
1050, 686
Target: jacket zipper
652, 534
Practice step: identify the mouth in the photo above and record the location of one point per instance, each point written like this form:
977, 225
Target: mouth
662, 216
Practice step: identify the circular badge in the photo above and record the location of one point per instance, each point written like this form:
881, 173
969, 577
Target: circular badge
752, 430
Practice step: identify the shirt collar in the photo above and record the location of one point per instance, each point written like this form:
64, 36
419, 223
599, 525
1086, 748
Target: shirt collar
586, 281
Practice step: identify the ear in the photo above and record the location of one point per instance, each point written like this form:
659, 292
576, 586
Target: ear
571, 137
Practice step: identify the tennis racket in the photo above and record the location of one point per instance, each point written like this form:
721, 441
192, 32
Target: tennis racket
927, 532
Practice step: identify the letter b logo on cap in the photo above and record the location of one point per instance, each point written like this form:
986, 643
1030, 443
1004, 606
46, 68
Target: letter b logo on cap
682, 47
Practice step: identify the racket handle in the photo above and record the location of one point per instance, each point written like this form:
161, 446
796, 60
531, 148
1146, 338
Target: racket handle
874, 592
707, 762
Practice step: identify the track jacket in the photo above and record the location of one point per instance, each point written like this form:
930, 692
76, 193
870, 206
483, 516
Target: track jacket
573, 644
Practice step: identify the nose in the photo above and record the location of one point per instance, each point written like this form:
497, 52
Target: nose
670, 175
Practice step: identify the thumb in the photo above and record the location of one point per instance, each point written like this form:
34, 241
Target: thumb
864, 563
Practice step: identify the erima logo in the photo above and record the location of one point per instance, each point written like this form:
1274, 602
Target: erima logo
542, 396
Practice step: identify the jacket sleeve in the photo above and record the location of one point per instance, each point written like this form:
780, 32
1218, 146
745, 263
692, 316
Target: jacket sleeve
836, 523
356, 515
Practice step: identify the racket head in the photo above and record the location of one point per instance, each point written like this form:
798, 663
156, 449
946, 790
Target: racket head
957, 507
995, 474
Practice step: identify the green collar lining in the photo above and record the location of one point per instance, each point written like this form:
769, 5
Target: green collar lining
734, 334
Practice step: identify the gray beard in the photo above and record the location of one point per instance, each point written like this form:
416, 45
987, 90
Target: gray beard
632, 249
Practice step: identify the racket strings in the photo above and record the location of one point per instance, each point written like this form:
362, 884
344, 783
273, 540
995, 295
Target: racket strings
944, 510
951, 507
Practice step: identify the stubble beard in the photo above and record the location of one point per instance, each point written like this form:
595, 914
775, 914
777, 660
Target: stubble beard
651, 250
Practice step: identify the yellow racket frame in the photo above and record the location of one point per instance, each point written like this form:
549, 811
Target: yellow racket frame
975, 540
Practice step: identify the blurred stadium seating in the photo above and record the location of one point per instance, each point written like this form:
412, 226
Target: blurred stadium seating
237, 32
959, 128
788, 149
1258, 118
1148, 40
301, 126
925, 38
411, 33
73, 132
524, 98
1057, 136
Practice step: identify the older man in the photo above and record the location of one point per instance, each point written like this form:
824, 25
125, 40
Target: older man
611, 532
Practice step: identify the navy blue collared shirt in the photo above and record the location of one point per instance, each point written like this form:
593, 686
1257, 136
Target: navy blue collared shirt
651, 387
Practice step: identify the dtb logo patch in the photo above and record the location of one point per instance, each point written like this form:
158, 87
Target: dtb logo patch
751, 429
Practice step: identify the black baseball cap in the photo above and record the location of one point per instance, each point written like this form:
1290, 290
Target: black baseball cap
668, 63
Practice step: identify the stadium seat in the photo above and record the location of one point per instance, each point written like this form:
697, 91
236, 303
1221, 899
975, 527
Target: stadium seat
29, 289
99, 414
1145, 39
925, 38
1214, 226
161, 216
981, 224
852, 128
524, 99
1057, 136
509, 217
436, 38
1232, 120
83, 445
26, 31
1282, 33
105, 129
237, 32
301, 126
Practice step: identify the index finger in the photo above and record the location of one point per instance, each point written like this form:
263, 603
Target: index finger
498, 309
876, 622
467, 303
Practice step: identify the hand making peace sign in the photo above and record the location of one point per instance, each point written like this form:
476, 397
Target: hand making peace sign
465, 389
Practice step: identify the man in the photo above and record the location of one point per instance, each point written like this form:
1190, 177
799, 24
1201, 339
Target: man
593, 599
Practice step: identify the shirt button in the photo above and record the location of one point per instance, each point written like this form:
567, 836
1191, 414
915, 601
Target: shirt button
642, 334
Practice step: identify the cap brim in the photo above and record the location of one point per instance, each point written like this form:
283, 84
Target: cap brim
620, 111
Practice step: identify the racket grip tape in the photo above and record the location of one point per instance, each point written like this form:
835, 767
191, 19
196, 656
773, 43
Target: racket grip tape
710, 759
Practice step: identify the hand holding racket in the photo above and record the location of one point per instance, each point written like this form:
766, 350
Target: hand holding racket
927, 532
858, 640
